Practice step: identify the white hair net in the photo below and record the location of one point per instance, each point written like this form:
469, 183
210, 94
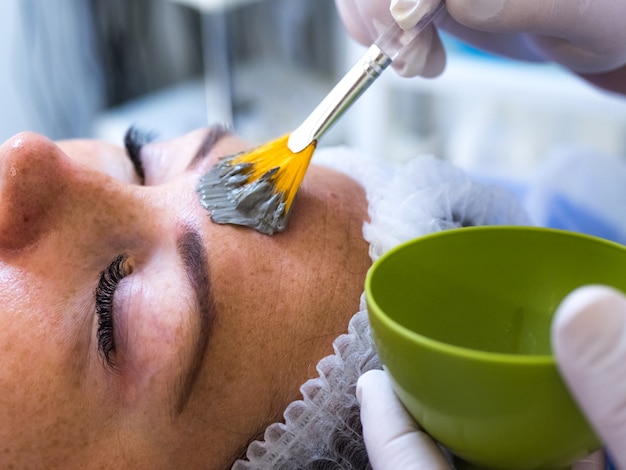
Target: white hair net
425, 195
428, 195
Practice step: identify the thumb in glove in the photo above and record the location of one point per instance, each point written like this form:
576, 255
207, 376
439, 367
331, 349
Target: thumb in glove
392, 438
589, 341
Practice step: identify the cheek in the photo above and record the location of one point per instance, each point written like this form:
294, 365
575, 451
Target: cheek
41, 391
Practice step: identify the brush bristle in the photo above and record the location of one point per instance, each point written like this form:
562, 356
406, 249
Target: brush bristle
256, 188
276, 154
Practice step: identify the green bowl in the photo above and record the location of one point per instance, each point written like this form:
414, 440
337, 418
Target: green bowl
461, 320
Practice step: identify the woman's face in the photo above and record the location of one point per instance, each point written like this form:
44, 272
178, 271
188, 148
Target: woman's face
134, 332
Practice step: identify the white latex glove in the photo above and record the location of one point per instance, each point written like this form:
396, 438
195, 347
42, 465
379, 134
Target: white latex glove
365, 20
586, 36
392, 438
589, 341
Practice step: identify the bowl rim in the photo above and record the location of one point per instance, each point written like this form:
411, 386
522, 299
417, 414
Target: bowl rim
461, 351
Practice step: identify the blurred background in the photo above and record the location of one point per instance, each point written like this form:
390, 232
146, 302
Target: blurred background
91, 68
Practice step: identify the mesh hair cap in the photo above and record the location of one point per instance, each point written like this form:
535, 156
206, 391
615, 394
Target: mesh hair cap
425, 195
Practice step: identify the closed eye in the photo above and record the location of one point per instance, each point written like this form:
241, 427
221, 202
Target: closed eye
134, 140
110, 278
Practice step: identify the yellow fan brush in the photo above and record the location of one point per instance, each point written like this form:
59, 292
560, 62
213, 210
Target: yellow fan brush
257, 188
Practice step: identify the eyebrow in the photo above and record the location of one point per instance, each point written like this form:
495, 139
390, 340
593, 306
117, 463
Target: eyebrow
211, 138
195, 262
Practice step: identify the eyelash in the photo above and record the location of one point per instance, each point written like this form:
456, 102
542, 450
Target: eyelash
134, 139
103, 294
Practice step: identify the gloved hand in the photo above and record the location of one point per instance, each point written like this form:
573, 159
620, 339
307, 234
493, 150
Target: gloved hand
365, 20
392, 438
587, 37
589, 342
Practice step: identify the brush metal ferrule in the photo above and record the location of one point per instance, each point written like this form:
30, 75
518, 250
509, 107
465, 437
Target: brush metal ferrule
349, 88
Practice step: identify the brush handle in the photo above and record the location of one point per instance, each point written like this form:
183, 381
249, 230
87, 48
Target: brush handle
368, 68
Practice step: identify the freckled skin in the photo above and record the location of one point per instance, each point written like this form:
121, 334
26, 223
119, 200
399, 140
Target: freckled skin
66, 211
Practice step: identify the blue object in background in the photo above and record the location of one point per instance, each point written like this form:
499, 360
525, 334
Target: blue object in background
609, 462
562, 213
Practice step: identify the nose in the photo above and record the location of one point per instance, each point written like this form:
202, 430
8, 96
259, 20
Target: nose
40, 187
